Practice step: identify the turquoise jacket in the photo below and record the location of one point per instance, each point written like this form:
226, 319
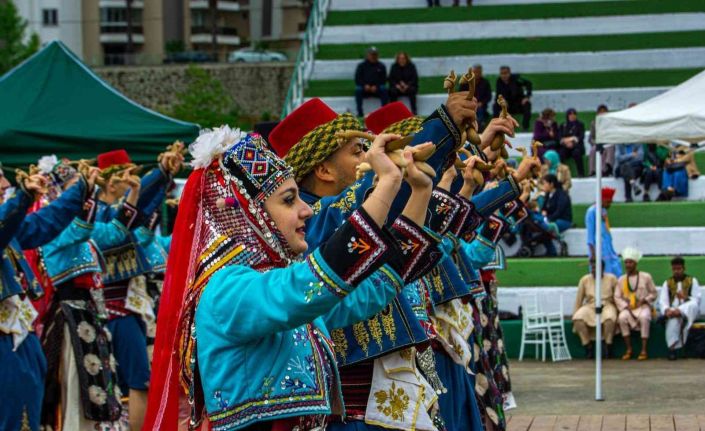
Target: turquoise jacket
263, 338
156, 248
70, 254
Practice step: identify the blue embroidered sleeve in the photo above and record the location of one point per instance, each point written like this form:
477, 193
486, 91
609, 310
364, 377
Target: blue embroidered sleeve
369, 298
44, 225
77, 232
12, 212
248, 304
490, 200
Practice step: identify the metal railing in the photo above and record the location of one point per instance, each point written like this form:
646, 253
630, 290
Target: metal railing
305, 58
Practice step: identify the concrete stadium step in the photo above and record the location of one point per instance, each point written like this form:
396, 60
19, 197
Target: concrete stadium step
649, 214
513, 28
566, 271
559, 100
642, 59
583, 190
651, 241
550, 298
410, 4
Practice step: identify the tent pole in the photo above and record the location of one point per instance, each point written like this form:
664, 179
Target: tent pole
598, 274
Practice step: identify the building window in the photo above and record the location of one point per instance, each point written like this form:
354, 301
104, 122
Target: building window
50, 17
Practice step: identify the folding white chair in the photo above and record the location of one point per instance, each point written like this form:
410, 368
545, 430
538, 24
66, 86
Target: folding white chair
556, 335
533, 328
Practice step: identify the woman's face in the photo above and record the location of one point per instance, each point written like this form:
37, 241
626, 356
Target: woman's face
572, 116
402, 59
289, 214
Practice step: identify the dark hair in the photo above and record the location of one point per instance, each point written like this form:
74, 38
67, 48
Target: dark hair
602, 108
547, 113
504, 67
552, 179
678, 260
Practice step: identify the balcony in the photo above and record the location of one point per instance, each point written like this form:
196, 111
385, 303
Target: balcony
137, 4
225, 36
223, 5
117, 33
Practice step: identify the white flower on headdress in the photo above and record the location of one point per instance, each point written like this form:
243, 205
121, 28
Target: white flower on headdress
212, 143
97, 395
91, 363
86, 331
47, 163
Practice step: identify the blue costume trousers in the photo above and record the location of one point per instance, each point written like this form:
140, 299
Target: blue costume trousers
130, 350
22, 381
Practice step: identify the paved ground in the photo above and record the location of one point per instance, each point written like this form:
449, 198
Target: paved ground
654, 387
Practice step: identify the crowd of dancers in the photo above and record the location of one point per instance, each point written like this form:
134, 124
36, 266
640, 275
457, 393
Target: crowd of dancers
320, 275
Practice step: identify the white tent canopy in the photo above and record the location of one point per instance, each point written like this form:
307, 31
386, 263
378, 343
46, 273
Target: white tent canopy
678, 113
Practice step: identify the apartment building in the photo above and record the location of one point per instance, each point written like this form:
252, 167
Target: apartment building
138, 32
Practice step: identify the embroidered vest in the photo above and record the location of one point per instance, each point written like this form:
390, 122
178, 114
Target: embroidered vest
686, 286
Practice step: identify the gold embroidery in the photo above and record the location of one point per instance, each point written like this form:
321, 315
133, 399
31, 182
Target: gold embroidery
25, 421
361, 336
340, 343
316, 207
406, 354
347, 202
393, 402
375, 330
388, 324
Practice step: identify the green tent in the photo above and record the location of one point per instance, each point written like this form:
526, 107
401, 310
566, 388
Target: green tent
54, 104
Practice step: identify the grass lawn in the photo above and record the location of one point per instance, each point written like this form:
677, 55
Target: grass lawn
567, 271
517, 45
505, 12
649, 214
540, 81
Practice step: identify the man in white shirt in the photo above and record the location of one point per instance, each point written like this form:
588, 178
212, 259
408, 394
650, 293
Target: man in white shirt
679, 304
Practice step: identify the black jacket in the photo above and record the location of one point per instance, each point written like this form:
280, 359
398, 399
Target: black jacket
368, 73
513, 91
483, 91
405, 74
558, 206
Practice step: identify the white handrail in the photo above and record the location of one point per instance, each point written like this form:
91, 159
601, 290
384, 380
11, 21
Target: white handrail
305, 58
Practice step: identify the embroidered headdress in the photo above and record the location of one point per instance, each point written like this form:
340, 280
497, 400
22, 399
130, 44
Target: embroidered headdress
221, 222
393, 118
306, 137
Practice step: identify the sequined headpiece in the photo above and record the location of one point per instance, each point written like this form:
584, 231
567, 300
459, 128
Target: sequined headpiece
221, 222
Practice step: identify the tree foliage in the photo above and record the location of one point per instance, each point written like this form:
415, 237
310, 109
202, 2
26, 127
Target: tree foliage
205, 101
13, 47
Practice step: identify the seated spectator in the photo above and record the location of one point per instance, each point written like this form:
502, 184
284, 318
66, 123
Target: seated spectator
552, 165
607, 153
674, 182
483, 94
654, 157
403, 80
679, 305
517, 92
432, 3
556, 209
546, 131
630, 163
584, 316
370, 79
572, 136
634, 297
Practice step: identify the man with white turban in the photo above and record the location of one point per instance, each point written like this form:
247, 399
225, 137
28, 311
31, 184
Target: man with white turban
634, 297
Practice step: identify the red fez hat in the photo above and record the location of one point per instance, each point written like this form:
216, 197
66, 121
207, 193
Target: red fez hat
608, 193
112, 158
298, 123
387, 115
